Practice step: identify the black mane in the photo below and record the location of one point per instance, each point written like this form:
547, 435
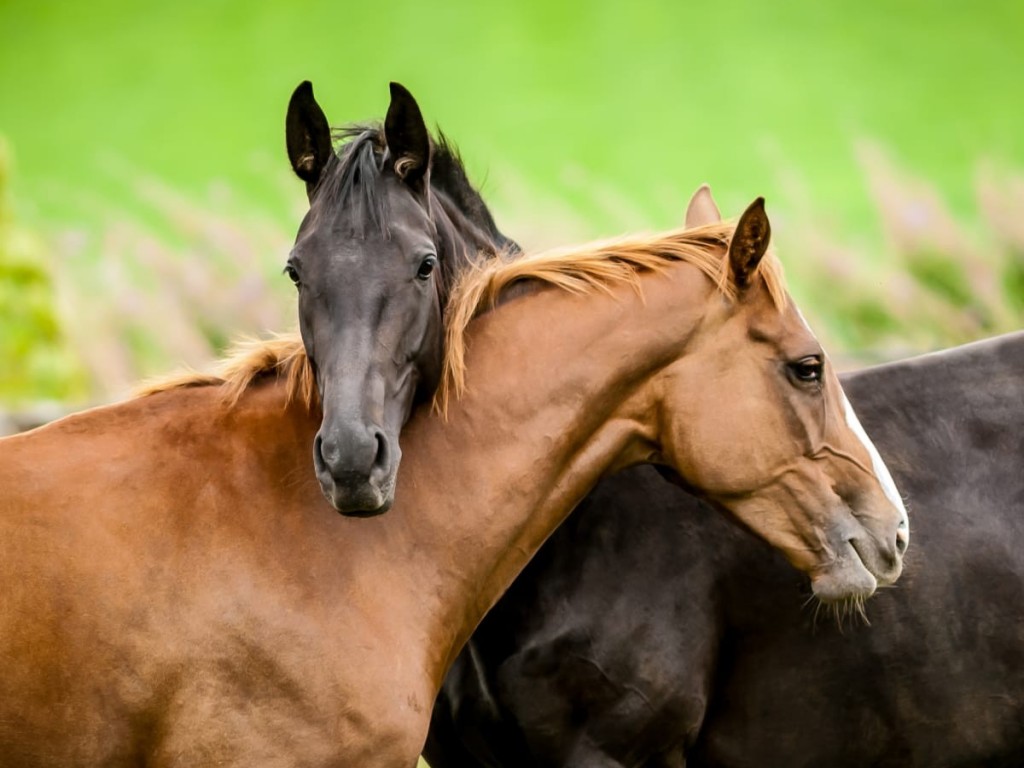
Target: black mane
352, 178
448, 175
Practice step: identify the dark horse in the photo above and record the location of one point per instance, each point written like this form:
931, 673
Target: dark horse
640, 636
392, 221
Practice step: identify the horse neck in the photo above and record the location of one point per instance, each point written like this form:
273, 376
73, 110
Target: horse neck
912, 407
521, 449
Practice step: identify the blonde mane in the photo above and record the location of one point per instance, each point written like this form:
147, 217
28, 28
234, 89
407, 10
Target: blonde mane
246, 362
594, 267
585, 269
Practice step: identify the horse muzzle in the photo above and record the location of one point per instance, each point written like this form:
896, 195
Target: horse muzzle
862, 564
356, 471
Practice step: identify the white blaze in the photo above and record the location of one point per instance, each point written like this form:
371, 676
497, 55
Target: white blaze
881, 471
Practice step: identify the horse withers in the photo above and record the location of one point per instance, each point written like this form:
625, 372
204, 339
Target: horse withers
392, 221
235, 619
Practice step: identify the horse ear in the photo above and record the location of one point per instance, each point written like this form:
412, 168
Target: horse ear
308, 136
749, 242
702, 209
407, 137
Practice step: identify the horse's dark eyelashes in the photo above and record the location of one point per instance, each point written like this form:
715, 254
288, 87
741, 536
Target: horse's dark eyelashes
293, 273
426, 268
807, 370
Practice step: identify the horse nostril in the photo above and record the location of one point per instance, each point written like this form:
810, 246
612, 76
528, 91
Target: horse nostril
902, 538
381, 459
318, 450
353, 457
326, 451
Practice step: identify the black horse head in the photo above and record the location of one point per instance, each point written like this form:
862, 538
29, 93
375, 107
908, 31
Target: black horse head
392, 221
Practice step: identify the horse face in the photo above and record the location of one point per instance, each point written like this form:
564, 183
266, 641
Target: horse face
367, 273
775, 439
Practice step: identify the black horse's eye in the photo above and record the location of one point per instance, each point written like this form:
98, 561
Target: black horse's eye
293, 273
807, 369
426, 267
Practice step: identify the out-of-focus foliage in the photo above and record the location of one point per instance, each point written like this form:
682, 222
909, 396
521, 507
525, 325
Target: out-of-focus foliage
35, 360
171, 289
937, 280
151, 155
147, 296
648, 98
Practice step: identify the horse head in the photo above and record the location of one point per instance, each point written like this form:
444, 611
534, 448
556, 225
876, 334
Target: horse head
373, 261
787, 456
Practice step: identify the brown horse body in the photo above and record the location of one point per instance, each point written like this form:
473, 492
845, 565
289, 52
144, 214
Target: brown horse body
176, 591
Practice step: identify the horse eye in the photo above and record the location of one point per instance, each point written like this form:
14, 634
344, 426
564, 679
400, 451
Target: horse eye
426, 267
293, 274
807, 369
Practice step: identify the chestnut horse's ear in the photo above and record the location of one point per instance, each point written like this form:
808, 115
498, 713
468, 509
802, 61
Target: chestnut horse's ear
308, 136
749, 242
702, 209
407, 138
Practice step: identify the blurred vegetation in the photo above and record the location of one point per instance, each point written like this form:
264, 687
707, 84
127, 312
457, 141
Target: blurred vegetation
152, 173
937, 279
176, 285
37, 363
650, 98
173, 286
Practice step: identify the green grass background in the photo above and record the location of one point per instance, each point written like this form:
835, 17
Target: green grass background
580, 118
652, 97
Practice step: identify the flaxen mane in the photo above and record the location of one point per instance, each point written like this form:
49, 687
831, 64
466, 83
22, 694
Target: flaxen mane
595, 267
247, 363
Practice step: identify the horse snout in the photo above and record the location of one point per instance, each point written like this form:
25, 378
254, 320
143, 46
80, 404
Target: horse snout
355, 468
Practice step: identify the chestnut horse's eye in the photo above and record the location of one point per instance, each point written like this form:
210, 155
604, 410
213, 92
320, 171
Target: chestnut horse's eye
293, 273
807, 369
426, 267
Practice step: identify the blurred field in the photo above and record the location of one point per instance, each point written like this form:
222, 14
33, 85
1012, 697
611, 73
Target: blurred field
648, 97
84, 319
149, 205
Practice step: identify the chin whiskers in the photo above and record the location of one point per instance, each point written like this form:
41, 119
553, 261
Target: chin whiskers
849, 612
852, 610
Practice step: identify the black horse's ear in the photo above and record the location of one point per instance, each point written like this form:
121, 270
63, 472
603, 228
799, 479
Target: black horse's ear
407, 138
308, 136
749, 242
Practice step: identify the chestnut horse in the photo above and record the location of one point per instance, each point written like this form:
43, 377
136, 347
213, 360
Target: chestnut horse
176, 591
392, 222
650, 632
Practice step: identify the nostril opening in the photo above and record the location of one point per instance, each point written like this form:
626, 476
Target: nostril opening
380, 461
327, 452
901, 542
318, 449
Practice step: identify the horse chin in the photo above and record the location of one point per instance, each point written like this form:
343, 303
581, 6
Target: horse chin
846, 578
384, 507
364, 501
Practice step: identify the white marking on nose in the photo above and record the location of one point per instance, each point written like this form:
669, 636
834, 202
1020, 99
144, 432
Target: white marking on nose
881, 471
